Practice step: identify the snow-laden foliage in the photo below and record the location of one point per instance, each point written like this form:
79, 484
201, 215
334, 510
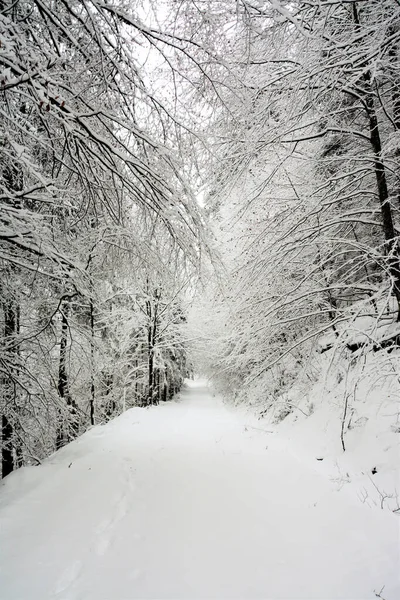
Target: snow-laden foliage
96, 217
282, 117
305, 192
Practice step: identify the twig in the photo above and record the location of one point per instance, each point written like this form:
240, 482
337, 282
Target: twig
379, 594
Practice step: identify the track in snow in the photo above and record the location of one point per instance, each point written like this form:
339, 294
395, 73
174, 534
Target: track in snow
184, 501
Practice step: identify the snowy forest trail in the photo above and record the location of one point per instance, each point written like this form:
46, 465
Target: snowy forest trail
185, 501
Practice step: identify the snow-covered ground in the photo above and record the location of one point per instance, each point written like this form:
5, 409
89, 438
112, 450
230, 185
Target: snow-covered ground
189, 500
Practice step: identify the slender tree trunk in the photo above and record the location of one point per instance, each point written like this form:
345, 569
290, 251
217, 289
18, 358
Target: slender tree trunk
158, 386
136, 379
391, 242
165, 386
69, 429
63, 387
9, 444
14, 179
150, 367
7, 462
151, 342
92, 387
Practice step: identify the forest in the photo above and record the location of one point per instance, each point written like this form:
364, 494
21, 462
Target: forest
232, 161
200, 188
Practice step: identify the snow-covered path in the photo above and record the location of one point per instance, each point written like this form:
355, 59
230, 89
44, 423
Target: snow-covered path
184, 501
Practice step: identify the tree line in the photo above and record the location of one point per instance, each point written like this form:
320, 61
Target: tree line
305, 195
99, 231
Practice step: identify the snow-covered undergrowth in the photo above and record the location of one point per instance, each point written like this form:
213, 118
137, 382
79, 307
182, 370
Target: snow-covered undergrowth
343, 414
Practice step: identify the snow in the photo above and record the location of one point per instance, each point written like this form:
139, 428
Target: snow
360, 325
190, 500
363, 397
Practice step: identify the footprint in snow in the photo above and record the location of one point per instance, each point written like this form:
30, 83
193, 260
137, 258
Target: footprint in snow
105, 529
102, 546
69, 576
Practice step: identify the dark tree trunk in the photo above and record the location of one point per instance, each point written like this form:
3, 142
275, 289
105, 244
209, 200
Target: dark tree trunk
68, 428
136, 379
150, 365
158, 386
7, 462
152, 325
391, 246
391, 242
165, 392
9, 444
92, 388
14, 180
63, 389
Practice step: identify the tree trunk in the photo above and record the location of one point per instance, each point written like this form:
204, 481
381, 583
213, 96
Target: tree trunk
136, 378
7, 462
69, 429
8, 442
391, 242
92, 388
151, 368
165, 391
158, 386
151, 342
391, 246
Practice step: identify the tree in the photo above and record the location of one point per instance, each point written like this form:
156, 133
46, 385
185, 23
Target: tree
309, 167
82, 149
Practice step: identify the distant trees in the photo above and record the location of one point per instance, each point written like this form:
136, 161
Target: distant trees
143, 354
